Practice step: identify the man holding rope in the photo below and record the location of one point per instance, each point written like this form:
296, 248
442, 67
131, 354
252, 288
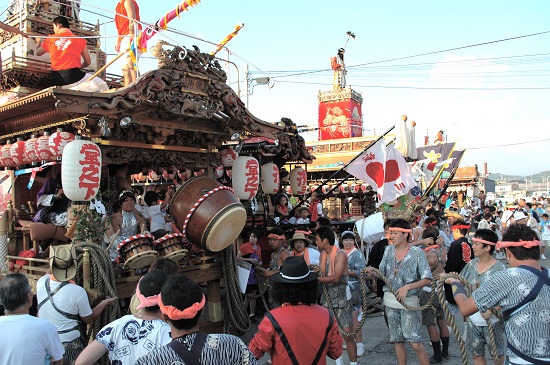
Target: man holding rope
523, 293
333, 267
407, 271
477, 271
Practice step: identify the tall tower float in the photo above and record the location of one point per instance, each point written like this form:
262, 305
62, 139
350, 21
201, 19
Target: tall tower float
340, 113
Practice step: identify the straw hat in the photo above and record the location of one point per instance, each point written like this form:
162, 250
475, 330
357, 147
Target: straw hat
62, 262
299, 236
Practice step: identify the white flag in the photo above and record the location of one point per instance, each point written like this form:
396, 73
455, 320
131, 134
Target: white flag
370, 167
397, 178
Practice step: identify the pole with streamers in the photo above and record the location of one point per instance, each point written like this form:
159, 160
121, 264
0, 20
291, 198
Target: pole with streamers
227, 39
140, 43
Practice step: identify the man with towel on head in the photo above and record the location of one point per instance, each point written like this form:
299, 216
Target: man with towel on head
523, 293
64, 303
134, 335
181, 303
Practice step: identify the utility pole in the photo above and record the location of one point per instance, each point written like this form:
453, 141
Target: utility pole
247, 79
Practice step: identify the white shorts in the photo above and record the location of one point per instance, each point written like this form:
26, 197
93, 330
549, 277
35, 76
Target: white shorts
124, 44
545, 243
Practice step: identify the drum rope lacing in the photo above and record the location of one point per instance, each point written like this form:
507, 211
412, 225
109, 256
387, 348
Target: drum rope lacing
197, 204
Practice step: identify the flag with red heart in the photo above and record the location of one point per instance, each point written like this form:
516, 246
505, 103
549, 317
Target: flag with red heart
385, 170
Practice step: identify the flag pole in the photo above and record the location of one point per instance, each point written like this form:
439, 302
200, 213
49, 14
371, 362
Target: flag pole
320, 194
355, 158
449, 179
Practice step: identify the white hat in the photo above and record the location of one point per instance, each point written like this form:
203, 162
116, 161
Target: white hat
519, 215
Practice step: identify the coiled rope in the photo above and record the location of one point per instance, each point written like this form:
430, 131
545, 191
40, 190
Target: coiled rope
103, 280
235, 314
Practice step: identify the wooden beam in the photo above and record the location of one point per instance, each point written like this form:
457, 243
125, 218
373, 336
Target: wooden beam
151, 146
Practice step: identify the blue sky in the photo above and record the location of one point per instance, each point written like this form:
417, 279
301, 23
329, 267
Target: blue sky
490, 95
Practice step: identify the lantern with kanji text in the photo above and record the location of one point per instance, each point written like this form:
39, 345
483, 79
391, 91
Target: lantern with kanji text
30, 152
298, 180
17, 151
270, 178
42, 148
7, 161
58, 141
246, 177
81, 170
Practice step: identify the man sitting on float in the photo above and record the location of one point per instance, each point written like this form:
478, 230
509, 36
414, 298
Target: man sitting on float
125, 222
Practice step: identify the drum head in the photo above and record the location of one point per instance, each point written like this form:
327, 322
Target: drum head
141, 260
177, 255
224, 228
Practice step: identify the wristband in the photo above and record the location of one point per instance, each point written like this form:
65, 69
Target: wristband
457, 289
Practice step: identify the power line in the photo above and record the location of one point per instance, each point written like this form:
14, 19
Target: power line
421, 54
425, 88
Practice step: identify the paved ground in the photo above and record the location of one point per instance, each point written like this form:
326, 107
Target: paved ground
378, 349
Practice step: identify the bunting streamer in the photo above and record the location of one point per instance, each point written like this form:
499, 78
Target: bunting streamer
227, 39
140, 43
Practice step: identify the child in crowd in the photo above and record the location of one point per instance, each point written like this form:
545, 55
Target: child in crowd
155, 212
544, 234
304, 212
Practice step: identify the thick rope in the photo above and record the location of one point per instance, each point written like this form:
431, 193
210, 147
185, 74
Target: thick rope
235, 315
103, 280
450, 318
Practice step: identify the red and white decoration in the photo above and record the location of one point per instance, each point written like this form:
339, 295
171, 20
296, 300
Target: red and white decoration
6, 156
246, 177
355, 188
30, 152
228, 157
153, 176
58, 141
385, 170
344, 188
185, 174
17, 152
42, 148
270, 178
81, 170
325, 189
298, 180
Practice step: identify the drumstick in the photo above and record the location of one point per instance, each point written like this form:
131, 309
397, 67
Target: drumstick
113, 239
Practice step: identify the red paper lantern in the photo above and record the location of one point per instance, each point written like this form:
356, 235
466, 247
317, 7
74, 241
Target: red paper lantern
81, 170
298, 180
270, 178
153, 175
58, 141
17, 151
325, 189
247, 177
6, 155
30, 151
42, 148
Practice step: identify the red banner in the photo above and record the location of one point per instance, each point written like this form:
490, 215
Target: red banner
340, 119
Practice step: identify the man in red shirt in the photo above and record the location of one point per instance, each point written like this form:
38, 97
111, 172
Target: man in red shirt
66, 51
299, 331
126, 18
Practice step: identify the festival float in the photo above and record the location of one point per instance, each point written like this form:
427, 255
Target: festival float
174, 126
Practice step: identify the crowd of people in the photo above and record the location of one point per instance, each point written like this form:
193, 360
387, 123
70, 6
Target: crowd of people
315, 296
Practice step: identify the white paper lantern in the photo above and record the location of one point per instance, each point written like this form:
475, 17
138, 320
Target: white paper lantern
270, 178
81, 170
344, 188
325, 189
298, 180
476, 191
246, 177
314, 187
470, 191
462, 188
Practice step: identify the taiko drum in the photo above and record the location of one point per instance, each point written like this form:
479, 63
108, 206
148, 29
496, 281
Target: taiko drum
208, 213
